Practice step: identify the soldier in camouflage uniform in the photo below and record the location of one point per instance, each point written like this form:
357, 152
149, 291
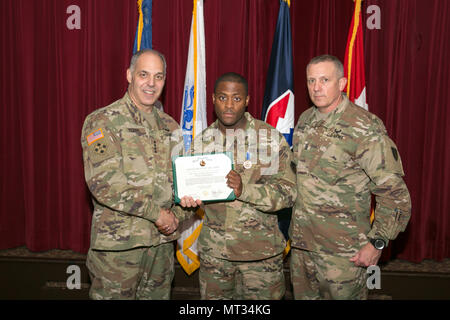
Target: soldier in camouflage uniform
240, 243
126, 150
343, 155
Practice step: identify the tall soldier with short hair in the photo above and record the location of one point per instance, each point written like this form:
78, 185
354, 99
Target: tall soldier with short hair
343, 155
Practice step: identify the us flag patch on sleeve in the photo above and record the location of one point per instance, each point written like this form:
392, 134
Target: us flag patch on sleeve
94, 136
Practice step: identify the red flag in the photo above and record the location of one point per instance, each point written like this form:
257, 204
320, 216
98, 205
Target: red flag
354, 68
354, 60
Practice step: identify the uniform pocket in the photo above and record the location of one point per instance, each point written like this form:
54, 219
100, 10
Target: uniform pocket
136, 149
331, 166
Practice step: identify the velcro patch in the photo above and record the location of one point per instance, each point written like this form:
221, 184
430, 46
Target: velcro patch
394, 153
101, 150
94, 136
392, 157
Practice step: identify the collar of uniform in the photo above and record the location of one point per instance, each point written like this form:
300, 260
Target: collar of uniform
161, 124
249, 125
209, 134
332, 117
134, 111
250, 121
139, 118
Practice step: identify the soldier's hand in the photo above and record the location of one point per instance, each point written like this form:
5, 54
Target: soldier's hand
367, 256
167, 223
234, 181
189, 202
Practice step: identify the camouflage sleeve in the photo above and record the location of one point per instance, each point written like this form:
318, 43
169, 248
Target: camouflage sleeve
380, 159
177, 149
103, 168
274, 190
183, 213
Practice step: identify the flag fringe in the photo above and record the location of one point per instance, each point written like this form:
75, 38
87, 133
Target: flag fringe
355, 22
140, 25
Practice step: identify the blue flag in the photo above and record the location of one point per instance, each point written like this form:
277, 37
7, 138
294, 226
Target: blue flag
278, 104
143, 38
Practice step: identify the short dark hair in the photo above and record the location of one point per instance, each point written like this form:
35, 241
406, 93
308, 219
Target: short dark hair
135, 57
329, 58
232, 77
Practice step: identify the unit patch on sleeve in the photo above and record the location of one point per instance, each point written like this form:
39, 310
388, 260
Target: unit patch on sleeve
100, 146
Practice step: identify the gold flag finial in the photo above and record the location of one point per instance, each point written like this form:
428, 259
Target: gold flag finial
289, 2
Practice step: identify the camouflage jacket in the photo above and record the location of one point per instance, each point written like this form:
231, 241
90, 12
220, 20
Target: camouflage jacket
340, 162
247, 228
128, 171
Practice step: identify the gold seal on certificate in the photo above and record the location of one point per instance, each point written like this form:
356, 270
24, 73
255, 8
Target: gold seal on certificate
203, 176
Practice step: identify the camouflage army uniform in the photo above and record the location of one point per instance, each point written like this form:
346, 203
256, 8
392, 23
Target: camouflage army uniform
340, 161
128, 171
240, 243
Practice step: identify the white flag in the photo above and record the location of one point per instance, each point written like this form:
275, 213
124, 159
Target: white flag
193, 121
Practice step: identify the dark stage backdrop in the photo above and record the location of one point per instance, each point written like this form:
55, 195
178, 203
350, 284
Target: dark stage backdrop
53, 76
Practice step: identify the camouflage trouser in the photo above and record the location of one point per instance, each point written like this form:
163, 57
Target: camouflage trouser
241, 280
142, 273
322, 276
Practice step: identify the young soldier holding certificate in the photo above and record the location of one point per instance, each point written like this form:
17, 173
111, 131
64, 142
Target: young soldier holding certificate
241, 246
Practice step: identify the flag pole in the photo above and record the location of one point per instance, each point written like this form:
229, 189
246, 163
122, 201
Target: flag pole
194, 28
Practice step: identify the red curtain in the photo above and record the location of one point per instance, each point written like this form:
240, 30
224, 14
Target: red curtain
412, 69
52, 77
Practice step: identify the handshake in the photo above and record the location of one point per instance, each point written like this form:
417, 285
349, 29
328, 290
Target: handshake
167, 223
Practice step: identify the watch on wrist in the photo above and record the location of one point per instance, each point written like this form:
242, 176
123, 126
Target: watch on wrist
378, 243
